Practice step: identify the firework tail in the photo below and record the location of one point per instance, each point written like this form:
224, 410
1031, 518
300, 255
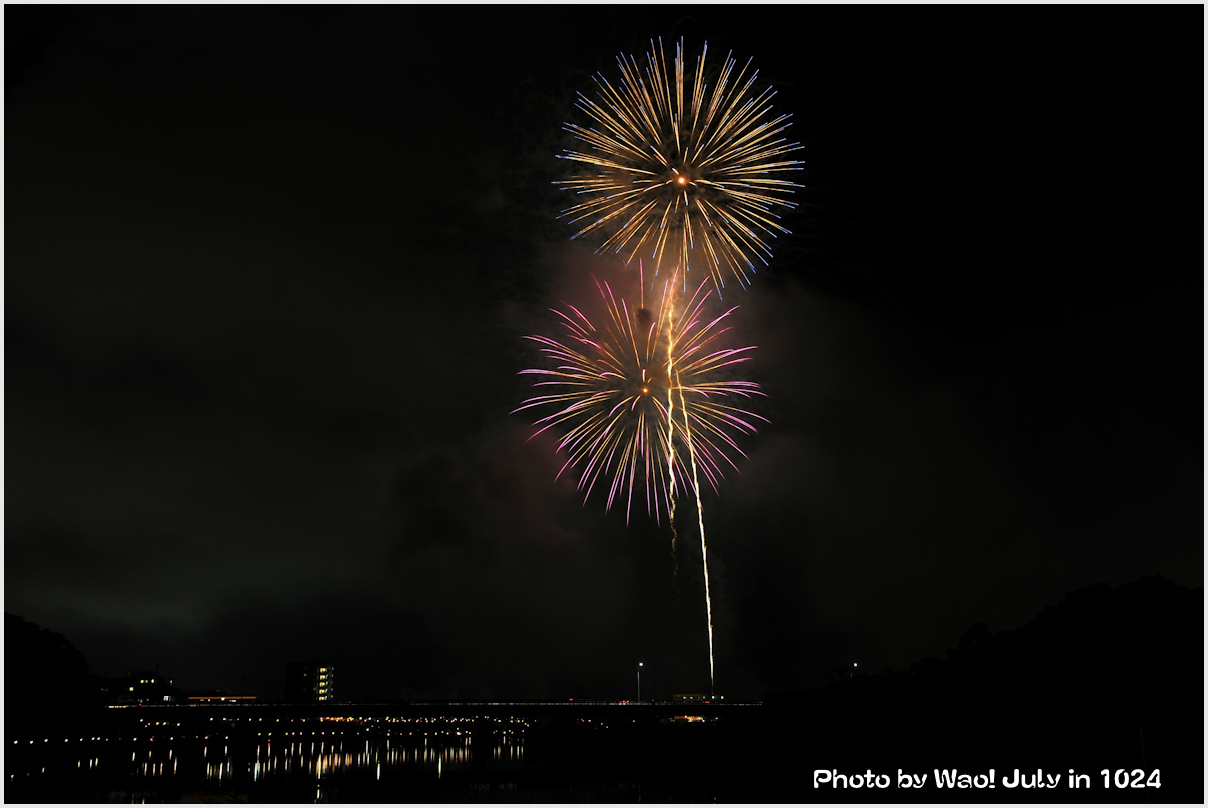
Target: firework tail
704, 552
672, 386
665, 304
668, 305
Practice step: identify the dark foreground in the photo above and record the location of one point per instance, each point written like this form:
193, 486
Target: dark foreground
1099, 699
833, 745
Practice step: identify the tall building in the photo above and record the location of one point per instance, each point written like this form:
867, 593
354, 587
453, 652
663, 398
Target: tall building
309, 682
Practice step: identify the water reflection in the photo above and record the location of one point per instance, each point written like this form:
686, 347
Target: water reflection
319, 758
169, 763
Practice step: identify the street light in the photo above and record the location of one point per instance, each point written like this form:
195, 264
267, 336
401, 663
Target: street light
640, 681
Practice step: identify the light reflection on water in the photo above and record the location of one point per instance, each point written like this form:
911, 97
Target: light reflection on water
156, 767
321, 758
254, 756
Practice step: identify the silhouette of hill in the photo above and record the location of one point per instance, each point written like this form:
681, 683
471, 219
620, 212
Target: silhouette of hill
47, 686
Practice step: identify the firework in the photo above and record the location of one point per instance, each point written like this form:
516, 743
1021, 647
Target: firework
685, 181
638, 397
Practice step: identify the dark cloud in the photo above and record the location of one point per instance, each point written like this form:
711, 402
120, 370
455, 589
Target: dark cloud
506, 566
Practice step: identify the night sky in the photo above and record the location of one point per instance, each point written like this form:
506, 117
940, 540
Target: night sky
268, 273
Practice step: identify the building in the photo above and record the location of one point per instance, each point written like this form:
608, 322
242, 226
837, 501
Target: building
309, 682
139, 687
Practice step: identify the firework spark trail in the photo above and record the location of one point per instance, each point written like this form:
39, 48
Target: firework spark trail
669, 305
695, 185
700, 514
704, 551
669, 297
